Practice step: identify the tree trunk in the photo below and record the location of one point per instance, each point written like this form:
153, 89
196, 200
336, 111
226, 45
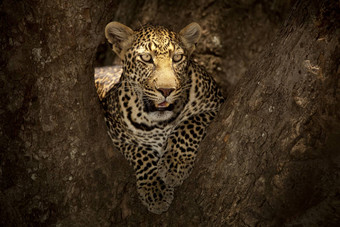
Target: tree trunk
271, 158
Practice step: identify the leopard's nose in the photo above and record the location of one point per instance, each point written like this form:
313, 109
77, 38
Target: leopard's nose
165, 91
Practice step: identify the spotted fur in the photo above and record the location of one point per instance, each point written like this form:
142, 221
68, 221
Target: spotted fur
158, 112
105, 78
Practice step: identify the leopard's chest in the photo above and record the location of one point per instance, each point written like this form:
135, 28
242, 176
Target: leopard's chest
155, 139
137, 130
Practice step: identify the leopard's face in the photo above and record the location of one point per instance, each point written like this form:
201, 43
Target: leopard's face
156, 67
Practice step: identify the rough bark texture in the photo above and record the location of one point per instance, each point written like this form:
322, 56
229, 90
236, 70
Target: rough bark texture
270, 159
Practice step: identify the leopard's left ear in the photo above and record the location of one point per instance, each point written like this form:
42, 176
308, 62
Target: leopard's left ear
190, 36
120, 36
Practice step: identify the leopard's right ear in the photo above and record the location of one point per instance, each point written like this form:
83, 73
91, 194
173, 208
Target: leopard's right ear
120, 36
190, 36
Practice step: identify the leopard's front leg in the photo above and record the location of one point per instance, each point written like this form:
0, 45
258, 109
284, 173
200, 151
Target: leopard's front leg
178, 160
153, 192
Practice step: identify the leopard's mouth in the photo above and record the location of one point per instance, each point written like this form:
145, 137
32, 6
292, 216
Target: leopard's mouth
163, 106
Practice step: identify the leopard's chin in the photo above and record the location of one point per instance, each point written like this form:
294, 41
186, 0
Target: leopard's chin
161, 116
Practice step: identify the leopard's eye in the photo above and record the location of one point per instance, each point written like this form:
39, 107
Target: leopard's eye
177, 57
146, 58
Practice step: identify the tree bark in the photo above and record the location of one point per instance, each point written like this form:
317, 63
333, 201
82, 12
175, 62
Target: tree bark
271, 158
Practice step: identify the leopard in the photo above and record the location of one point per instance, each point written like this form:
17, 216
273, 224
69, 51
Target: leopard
158, 112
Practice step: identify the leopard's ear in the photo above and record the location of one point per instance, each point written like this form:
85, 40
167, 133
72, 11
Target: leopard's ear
190, 36
120, 36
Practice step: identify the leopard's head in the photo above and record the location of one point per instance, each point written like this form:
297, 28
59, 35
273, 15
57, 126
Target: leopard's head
155, 62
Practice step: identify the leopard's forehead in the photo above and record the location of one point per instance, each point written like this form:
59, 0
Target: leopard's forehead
157, 39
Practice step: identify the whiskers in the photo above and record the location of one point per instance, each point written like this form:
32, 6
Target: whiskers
186, 86
150, 94
180, 92
145, 94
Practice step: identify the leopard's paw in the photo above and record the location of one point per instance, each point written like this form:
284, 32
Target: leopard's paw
171, 172
156, 195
